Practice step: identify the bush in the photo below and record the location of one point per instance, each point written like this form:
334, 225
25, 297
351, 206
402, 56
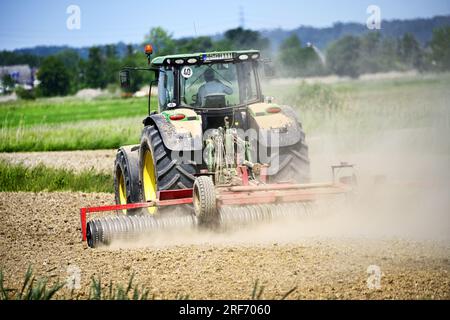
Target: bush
316, 97
25, 94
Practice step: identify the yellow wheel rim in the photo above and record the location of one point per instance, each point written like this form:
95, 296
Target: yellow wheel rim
149, 177
122, 190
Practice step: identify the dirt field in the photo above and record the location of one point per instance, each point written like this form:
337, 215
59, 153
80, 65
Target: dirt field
45, 233
400, 226
398, 223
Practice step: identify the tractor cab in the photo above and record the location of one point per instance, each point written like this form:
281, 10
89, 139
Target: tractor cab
208, 81
214, 85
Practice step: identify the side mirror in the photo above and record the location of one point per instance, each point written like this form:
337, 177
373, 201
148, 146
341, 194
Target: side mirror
124, 78
269, 70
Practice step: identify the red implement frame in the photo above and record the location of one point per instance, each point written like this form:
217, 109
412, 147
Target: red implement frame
246, 194
277, 193
165, 198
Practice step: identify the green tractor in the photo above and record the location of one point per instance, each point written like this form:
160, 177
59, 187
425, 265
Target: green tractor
199, 96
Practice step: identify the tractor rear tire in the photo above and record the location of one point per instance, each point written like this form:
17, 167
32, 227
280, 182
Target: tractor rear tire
204, 200
293, 163
126, 177
159, 168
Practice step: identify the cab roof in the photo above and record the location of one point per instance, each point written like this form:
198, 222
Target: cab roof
208, 57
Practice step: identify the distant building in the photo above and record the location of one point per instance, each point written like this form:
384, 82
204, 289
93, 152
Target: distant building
22, 74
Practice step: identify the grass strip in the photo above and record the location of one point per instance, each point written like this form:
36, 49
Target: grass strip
17, 177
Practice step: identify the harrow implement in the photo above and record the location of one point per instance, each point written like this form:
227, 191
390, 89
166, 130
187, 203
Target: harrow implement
214, 207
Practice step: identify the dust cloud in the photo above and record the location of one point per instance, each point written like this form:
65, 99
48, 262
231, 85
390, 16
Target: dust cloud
403, 185
403, 193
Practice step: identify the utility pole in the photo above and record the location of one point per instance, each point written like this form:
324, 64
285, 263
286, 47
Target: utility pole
241, 17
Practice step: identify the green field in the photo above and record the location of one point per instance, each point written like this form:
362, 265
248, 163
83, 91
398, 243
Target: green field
356, 106
17, 177
369, 106
69, 110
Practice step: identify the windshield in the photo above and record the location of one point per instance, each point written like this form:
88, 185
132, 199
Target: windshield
217, 85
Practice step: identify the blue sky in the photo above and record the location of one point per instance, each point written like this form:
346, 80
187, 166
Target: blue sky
26, 23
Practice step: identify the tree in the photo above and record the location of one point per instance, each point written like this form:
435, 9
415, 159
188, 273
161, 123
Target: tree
369, 57
8, 83
8, 58
54, 77
112, 64
95, 69
161, 40
198, 44
343, 57
129, 50
410, 52
72, 61
388, 56
240, 38
440, 46
110, 51
295, 60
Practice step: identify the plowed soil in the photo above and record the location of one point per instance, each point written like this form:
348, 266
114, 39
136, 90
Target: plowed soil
42, 229
398, 222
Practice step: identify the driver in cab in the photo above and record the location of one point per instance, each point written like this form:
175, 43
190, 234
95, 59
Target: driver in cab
211, 86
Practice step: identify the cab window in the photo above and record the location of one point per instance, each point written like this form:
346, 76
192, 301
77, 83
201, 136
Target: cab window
166, 88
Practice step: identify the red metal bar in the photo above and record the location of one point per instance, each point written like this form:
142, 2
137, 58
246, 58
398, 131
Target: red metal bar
83, 223
244, 199
172, 202
286, 186
175, 194
121, 206
260, 195
244, 175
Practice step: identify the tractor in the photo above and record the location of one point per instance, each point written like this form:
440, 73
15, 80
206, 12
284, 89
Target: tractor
212, 142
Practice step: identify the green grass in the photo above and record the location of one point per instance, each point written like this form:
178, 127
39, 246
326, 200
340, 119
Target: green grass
33, 289
69, 110
30, 289
86, 135
17, 177
346, 107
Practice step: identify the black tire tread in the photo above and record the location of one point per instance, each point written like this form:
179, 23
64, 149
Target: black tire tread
294, 163
171, 173
127, 161
207, 210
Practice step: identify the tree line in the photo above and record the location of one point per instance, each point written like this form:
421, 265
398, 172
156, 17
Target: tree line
66, 72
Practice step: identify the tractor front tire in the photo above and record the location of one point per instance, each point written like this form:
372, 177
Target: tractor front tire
126, 177
204, 200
